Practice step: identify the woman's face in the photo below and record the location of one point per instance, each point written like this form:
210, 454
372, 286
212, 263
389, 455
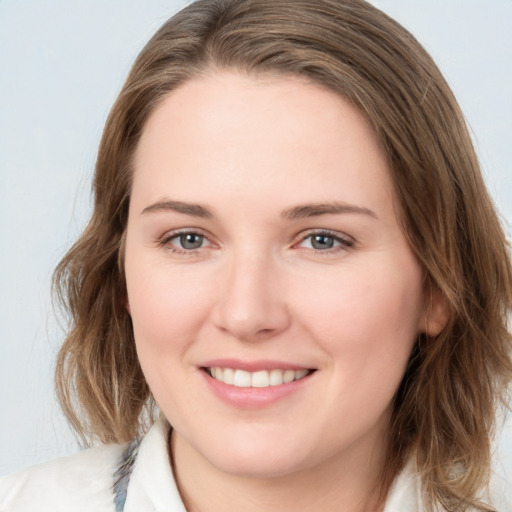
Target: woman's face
274, 298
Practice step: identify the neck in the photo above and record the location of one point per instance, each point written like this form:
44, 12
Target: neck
351, 484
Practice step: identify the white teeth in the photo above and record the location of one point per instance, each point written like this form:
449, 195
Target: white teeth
288, 376
229, 376
242, 379
300, 373
276, 377
259, 379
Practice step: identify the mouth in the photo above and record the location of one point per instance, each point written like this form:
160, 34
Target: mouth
258, 379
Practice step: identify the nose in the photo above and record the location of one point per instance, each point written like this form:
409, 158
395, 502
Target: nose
252, 304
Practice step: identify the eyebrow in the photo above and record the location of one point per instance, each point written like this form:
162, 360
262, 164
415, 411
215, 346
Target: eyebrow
296, 212
195, 210
317, 209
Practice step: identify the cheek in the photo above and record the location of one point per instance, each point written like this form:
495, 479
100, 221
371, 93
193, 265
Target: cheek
167, 309
367, 318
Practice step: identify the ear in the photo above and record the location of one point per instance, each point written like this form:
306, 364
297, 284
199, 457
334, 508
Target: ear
437, 311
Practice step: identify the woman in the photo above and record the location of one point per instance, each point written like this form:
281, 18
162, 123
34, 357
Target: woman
293, 255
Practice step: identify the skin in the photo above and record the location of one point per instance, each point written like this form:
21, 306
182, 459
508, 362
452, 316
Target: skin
251, 150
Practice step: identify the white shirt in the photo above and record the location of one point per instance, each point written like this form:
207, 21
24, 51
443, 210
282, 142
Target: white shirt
84, 482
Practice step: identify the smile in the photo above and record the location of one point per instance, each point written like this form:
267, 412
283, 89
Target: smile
258, 379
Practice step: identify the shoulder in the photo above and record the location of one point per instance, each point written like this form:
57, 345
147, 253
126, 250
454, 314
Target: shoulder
405, 493
500, 492
80, 482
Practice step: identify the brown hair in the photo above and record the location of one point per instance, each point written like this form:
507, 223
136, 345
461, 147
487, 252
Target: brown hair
444, 410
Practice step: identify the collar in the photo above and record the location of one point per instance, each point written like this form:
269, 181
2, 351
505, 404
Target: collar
152, 486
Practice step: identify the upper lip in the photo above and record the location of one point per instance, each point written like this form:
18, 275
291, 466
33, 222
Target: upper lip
253, 366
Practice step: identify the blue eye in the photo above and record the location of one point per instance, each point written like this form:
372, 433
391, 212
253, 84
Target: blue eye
190, 241
322, 242
186, 241
325, 242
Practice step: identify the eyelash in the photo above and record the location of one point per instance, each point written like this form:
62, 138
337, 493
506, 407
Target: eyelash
166, 241
344, 243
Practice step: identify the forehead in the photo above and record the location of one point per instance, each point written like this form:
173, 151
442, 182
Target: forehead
240, 134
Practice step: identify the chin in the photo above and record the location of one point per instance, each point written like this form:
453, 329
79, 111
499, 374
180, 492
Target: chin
257, 465
256, 456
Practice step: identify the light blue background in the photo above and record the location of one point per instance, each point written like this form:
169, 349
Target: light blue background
62, 63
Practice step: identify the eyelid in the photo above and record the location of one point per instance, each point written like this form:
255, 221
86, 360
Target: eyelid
346, 242
165, 239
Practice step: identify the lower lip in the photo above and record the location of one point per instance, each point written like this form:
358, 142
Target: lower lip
251, 398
